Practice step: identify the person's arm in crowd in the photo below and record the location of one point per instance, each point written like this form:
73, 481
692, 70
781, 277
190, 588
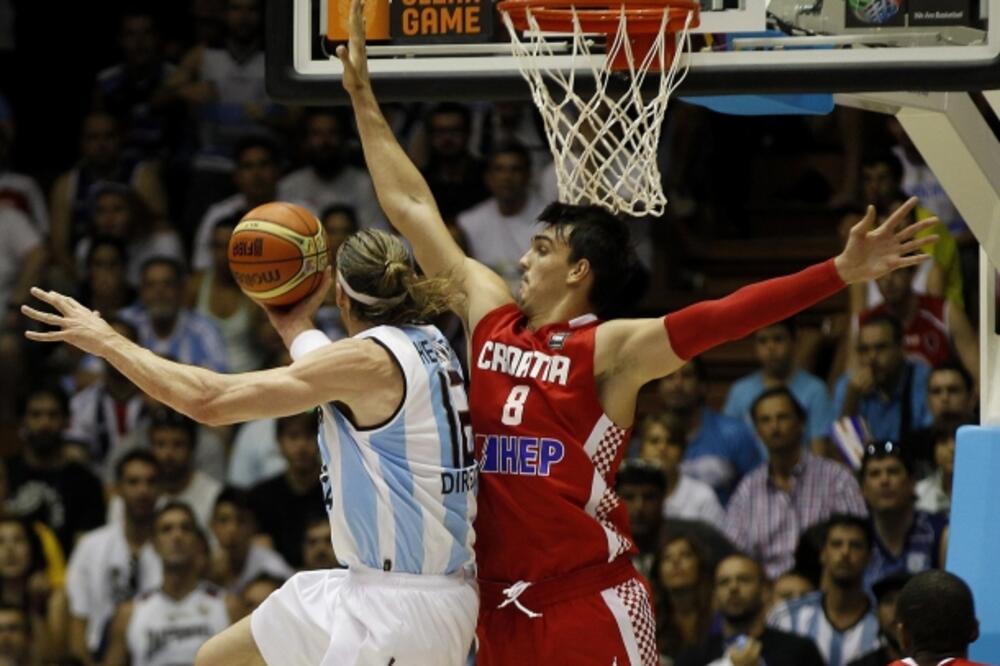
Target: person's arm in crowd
858, 383
966, 341
117, 652
60, 232
32, 268
848, 498
149, 186
737, 520
943, 547
185, 83
78, 640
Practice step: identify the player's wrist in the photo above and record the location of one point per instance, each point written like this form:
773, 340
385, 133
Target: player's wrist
306, 342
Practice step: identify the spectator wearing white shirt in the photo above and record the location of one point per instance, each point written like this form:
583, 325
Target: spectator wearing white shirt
22, 258
238, 560
114, 563
663, 441
172, 440
328, 177
499, 228
19, 190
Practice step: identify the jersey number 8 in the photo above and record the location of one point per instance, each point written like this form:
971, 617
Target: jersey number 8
513, 409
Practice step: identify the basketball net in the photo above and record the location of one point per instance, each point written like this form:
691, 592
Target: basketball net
604, 143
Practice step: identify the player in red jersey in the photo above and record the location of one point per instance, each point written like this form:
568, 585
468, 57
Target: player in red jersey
937, 620
553, 396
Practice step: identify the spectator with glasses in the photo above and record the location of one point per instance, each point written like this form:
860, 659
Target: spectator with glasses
904, 538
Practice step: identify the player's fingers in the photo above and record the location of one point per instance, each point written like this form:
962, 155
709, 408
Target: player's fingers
44, 317
50, 297
45, 336
912, 260
916, 244
865, 224
912, 230
900, 215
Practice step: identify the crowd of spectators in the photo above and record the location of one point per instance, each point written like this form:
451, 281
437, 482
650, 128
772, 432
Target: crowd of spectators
779, 524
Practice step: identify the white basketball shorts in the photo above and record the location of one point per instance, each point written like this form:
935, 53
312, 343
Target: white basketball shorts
342, 617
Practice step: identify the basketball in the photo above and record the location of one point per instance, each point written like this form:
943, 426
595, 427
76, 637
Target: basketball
277, 253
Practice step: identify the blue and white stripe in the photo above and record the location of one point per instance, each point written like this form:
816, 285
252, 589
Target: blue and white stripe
388, 487
806, 617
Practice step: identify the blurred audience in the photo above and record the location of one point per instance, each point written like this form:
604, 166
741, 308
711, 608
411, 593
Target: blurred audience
682, 590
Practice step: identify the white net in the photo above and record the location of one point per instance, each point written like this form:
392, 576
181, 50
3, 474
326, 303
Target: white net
604, 139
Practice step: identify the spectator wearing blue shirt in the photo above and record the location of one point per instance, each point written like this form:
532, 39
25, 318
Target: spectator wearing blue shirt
905, 539
886, 390
168, 329
775, 346
720, 448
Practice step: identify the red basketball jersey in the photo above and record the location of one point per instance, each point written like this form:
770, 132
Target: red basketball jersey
926, 337
548, 454
946, 662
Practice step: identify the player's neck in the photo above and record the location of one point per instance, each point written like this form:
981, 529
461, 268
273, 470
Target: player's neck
566, 309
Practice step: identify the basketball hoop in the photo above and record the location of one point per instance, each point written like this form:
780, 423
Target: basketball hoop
604, 141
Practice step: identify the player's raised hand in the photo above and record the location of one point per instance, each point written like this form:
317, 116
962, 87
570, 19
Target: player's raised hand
354, 56
76, 325
289, 322
871, 253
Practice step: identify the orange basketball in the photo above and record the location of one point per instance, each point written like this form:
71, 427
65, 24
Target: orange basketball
277, 253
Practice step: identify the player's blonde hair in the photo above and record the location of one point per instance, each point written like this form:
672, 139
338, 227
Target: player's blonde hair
377, 265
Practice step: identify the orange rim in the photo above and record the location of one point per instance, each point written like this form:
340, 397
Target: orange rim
601, 16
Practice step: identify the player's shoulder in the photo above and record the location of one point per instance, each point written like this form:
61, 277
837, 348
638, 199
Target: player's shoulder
499, 318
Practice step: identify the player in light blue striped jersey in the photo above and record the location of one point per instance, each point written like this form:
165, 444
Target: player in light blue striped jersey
399, 473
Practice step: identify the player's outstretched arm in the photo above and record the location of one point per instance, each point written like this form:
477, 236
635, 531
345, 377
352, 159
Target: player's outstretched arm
328, 373
646, 349
402, 191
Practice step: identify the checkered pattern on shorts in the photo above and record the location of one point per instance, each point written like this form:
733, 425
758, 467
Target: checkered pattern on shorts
635, 598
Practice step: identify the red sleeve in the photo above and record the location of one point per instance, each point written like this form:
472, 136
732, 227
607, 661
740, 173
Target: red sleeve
704, 325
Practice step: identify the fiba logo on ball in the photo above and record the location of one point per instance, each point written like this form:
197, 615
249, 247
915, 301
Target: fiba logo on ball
875, 12
277, 253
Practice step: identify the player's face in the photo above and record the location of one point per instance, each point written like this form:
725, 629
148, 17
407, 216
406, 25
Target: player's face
160, 291
256, 175
15, 552
172, 448
739, 590
845, 555
777, 423
887, 485
233, 527
139, 488
944, 454
774, 349
946, 394
678, 565
545, 268
877, 350
112, 216
176, 539
645, 504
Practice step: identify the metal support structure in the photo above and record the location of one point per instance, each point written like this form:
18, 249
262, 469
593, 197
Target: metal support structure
958, 145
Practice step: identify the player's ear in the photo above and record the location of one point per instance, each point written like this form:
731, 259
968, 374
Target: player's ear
343, 302
579, 271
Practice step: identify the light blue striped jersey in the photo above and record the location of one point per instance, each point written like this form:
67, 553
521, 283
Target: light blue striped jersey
401, 496
805, 616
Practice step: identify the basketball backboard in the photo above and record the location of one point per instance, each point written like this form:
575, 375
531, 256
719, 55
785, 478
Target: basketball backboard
759, 46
